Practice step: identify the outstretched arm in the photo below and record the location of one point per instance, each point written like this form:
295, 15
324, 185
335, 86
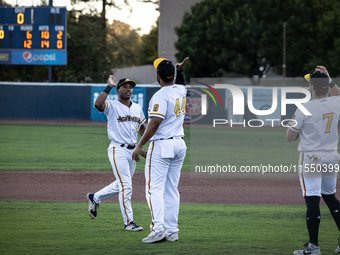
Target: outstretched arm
180, 76
100, 101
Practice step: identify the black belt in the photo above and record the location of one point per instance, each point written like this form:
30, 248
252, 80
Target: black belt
128, 146
170, 138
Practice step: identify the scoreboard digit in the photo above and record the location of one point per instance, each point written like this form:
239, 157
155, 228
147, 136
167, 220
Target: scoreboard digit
37, 33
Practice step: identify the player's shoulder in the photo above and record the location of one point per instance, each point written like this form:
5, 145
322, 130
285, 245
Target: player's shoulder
163, 92
114, 104
175, 89
109, 101
335, 98
330, 100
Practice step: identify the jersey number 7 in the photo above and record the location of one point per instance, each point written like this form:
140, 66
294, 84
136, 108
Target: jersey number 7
330, 117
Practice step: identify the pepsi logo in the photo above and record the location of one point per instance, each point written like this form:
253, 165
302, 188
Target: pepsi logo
27, 56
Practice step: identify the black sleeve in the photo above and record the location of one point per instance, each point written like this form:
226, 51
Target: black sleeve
180, 77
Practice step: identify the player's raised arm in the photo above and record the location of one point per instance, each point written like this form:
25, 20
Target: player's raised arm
179, 72
100, 101
333, 88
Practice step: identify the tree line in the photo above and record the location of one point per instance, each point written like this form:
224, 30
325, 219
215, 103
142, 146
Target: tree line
245, 37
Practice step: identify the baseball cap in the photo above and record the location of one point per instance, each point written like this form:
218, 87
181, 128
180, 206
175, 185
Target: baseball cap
125, 80
165, 69
318, 79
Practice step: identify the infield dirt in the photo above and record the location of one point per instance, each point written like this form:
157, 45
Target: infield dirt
69, 186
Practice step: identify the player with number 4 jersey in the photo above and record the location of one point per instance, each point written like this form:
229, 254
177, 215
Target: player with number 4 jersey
166, 152
169, 101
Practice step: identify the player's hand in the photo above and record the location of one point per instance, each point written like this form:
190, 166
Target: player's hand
111, 81
181, 65
135, 154
322, 69
143, 153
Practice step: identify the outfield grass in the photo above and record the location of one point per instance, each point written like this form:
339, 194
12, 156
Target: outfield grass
241, 147
31, 227
55, 147
58, 147
79, 148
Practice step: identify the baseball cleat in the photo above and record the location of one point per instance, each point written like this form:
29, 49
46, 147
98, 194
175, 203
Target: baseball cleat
93, 206
309, 249
337, 250
133, 227
172, 237
155, 237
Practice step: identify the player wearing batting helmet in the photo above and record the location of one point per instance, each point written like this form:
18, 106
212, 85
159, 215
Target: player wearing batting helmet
318, 161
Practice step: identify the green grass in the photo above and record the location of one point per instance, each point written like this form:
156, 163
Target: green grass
47, 147
65, 228
241, 147
59, 147
84, 148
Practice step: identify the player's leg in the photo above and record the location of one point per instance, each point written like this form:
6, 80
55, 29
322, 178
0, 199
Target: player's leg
310, 181
132, 226
156, 169
171, 194
328, 195
328, 189
95, 198
313, 218
106, 192
120, 166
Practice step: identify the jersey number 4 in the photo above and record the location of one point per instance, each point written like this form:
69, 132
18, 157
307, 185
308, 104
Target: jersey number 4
178, 108
330, 117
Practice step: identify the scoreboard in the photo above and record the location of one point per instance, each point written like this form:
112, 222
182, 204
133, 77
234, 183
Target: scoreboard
33, 35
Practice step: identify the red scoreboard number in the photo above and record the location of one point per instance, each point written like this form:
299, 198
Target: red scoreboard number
33, 28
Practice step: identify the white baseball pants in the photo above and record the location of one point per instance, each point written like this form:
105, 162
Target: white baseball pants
318, 172
123, 168
162, 172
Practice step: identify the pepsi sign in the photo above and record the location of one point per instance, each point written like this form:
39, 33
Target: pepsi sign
38, 57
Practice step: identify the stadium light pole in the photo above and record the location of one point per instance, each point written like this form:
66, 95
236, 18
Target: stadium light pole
50, 68
284, 51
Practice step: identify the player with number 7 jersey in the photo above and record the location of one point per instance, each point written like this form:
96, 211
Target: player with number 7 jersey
318, 161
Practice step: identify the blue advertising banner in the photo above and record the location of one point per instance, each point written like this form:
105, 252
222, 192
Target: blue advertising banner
138, 96
38, 57
5, 57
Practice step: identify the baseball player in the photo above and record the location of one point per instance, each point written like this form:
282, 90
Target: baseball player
166, 152
125, 120
318, 161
